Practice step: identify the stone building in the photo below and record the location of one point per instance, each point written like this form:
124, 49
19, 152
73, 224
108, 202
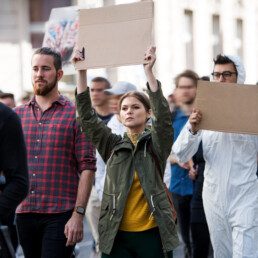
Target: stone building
187, 33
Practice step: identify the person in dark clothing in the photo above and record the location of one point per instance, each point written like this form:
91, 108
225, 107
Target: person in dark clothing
13, 162
14, 182
199, 227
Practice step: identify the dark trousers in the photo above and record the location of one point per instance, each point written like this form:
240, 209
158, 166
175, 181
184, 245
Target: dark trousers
42, 235
10, 222
144, 244
183, 209
201, 240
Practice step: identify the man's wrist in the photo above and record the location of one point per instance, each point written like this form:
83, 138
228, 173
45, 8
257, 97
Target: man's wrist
192, 132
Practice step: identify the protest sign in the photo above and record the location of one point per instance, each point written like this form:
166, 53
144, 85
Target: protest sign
228, 107
115, 35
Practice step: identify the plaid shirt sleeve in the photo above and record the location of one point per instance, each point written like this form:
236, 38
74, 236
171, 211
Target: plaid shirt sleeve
84, 151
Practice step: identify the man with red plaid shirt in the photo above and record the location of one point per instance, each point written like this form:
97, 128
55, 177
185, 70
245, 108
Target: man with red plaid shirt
61, 164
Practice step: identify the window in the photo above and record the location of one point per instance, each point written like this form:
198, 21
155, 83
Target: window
39, 13
188, 38
216, 35
239, 38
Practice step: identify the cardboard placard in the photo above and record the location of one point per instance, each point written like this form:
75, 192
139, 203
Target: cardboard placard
228, 107
115, 35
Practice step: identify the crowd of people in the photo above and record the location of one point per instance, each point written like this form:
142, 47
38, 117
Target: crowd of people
106, 157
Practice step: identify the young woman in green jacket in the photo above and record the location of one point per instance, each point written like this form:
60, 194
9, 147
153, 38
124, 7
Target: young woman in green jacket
135, 219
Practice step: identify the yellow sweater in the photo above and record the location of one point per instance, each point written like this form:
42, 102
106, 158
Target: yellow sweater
136, 214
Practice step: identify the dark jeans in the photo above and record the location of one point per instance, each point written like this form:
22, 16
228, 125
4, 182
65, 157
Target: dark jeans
144, 244
201, 240
42, 235
183, 209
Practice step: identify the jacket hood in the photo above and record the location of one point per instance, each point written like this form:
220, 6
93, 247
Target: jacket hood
239, 66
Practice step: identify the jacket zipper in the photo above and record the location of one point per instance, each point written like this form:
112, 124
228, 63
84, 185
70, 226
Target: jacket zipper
145, 147
114, 207
153, 206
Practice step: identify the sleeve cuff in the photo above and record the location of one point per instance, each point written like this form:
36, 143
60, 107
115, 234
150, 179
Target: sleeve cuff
148, 86
82, 93
190, 131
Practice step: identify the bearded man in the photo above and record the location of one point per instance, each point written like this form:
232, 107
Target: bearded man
61, 165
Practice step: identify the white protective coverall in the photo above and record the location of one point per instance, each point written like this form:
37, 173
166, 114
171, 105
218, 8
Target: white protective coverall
230, 190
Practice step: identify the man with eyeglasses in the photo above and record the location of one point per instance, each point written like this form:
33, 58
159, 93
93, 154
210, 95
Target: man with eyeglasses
230, 190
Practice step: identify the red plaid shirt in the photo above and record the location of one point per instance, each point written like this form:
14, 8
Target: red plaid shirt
57, 153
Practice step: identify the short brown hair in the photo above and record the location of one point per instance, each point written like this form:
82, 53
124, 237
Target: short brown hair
142, 97
50, 52
188, 74
4, 95
102, 79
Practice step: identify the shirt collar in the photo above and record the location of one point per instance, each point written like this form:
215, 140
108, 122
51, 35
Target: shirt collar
61, 100
181, 113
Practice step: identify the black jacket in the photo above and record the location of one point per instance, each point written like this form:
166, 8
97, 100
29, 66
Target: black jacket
13, 161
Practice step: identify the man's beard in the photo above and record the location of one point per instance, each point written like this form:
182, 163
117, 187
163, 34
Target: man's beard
189, 102
44, 90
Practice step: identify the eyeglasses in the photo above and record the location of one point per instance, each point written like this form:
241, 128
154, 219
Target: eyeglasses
225, 75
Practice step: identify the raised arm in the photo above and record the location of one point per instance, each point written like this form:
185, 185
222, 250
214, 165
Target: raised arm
161, 131
150, 58
82, 74
92, 127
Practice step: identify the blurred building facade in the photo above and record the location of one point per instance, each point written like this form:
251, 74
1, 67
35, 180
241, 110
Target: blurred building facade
187, 33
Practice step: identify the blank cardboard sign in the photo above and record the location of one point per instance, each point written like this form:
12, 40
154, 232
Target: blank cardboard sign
228, 107
115, 35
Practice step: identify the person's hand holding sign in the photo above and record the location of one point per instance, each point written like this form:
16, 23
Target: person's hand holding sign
79, 55
195, 119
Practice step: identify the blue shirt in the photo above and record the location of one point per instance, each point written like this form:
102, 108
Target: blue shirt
180, 182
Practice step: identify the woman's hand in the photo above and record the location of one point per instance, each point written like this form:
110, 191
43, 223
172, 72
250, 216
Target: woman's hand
82, 74
149, 59
195, 119
76, 56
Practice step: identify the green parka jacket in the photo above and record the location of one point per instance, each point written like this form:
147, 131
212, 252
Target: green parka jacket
123, 159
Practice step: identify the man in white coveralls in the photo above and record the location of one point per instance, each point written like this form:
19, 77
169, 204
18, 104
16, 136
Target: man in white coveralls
230, 190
